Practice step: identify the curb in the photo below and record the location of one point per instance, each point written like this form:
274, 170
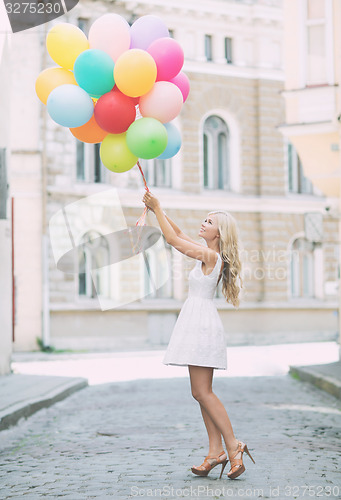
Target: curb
11, 415
323, 382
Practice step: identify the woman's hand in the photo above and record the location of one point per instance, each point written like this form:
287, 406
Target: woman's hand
150, 201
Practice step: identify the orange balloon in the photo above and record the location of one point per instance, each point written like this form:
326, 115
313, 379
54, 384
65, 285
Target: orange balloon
135, 72
51, 78
89, 132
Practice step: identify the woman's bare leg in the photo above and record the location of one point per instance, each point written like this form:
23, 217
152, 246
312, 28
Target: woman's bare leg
201, 386
214, 435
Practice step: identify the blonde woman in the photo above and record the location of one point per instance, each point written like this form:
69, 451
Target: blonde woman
197, 340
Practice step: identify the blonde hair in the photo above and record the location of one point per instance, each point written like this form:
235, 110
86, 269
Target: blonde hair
229, 252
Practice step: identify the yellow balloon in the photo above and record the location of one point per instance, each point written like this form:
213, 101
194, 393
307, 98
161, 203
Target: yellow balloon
115, 154
51, 78
135, 72
64, 43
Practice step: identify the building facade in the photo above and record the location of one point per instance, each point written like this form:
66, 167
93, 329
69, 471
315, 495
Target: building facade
312, 100
233, 157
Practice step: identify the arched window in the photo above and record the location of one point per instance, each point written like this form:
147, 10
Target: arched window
158, 262
93, 255
302, 268
216, 153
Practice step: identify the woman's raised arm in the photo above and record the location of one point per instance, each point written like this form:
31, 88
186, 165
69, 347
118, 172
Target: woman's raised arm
178, 231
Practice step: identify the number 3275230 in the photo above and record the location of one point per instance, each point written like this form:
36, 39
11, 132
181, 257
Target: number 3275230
33, 8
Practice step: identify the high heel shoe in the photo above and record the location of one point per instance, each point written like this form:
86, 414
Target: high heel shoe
209, 463
237, 466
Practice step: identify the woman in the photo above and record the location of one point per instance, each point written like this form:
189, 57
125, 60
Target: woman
197, 340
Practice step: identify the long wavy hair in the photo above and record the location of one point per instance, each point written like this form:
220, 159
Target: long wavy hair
229, 251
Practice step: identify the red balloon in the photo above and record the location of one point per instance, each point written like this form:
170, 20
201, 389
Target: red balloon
115, 112
134, 99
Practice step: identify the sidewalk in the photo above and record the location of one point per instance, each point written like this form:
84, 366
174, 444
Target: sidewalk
36, 382
326, 377
23, 395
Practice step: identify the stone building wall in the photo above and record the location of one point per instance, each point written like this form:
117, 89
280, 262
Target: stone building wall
247, 94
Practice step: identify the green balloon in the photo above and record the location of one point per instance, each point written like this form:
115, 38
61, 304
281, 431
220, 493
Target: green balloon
147, 138
115, 154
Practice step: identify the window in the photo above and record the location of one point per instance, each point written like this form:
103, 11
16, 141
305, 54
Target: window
208, 47
80, 161
302, 268
99, 174
93, 255
297, 182
157, 172
89, 165
216, 154
158, 261
83, 24
316, 42
228, 50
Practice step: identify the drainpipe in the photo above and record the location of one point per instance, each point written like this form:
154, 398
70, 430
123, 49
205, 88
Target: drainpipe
44, 239
339, 239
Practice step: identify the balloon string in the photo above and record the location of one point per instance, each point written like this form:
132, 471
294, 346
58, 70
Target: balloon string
144, 179
141, 220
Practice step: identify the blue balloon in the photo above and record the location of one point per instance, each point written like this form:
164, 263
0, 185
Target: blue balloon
174, 142
94, 72
70, 106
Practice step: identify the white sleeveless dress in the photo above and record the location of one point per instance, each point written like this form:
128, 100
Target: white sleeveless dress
198, 337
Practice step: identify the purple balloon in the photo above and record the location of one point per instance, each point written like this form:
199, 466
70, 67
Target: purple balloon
145, 30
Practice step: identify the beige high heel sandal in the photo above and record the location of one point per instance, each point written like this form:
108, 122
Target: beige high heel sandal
209, 463
237, 466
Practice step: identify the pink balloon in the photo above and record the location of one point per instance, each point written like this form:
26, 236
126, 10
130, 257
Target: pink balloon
145, 30
182, 82
163, 102
169, 57
110, 33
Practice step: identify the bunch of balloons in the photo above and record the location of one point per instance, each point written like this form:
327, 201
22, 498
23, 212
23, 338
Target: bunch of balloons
121, 87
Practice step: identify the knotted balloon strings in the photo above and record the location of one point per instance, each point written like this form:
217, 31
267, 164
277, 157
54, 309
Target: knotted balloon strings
142, 220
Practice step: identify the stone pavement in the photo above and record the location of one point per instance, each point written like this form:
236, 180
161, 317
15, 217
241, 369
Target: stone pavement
140, 438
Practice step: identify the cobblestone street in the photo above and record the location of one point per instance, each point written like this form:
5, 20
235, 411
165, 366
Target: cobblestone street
140, 439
